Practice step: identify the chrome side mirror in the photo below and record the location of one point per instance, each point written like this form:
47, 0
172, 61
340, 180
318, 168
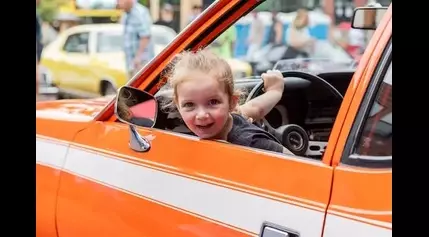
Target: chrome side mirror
136, 108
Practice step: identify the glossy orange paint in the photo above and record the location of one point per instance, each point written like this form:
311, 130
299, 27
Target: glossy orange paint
268, 171
66, 203
47, 180
133, 215
302, 183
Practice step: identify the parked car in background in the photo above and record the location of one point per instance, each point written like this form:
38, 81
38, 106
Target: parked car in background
87, 61
46, 89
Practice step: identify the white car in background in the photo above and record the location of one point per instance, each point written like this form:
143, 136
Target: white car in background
88, 60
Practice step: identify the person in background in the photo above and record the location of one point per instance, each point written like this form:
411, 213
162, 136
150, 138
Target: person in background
39, 47
39, 44
276, 31
298, 38
166, 16
256, 35
223, 46
37, 78
49, 33
196, 11
138, 47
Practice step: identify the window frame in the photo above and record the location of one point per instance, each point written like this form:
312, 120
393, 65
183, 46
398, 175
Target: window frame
75, 34
350, 157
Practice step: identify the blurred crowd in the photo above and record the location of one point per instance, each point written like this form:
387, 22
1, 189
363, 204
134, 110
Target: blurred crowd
289, 35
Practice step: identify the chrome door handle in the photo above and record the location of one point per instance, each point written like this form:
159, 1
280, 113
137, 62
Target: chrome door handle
273, 230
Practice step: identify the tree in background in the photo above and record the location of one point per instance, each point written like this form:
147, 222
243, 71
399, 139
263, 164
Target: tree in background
49, 8
145, 3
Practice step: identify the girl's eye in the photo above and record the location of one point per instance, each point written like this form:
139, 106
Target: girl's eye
213, 102
188, 105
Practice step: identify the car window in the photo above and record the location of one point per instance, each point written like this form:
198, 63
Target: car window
77, 43
376, 136
108, 42
247, 48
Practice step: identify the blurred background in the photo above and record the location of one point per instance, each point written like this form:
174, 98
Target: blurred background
82, 41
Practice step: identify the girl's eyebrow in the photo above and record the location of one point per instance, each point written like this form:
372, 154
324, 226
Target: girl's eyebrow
186, 101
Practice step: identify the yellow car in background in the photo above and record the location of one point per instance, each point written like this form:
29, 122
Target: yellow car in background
87, 61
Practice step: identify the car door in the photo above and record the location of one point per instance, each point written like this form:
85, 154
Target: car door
185, 187
361, 203
48, 169
76, 60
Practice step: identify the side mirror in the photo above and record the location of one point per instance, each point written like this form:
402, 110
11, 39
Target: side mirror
368, 18
136, 107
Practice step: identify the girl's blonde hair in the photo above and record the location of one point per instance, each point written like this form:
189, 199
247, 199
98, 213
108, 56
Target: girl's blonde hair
301, 19
204, 61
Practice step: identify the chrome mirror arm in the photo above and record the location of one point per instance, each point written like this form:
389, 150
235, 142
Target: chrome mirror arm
137, 142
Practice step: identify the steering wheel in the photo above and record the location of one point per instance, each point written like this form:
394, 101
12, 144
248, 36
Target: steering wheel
292, 136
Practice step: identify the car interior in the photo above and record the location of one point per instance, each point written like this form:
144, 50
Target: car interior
303, 118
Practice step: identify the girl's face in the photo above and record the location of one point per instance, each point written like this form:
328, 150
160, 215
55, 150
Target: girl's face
204, 105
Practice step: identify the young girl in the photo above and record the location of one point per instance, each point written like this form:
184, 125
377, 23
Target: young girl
204, 95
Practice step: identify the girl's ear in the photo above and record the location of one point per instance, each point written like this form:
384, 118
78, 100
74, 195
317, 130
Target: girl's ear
234, 102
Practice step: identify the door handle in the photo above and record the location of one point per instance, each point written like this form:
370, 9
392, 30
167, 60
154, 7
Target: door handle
272, 230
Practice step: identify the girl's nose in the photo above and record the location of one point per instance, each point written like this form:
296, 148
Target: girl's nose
202, 114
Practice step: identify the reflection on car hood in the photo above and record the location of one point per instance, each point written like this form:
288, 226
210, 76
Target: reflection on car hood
72, 110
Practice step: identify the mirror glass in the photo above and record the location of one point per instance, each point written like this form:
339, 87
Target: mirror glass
368, 18
136, 107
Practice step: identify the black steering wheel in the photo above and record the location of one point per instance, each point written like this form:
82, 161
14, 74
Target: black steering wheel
292, 136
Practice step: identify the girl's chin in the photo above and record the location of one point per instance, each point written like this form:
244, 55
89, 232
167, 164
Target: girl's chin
206, 134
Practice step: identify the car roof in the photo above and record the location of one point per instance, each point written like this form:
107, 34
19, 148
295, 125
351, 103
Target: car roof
96, 27
112, 27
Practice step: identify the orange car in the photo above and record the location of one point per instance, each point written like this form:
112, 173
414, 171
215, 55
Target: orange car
96, 175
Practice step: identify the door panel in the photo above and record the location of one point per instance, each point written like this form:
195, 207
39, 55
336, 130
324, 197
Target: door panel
361, 203
77, 71
48, 169
191, 188
76, 60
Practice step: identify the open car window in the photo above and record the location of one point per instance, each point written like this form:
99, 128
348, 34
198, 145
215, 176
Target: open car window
234, 46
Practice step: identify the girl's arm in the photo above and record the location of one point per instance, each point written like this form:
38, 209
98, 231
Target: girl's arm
257, 108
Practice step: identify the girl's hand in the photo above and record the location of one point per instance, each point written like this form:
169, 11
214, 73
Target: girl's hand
273, 80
